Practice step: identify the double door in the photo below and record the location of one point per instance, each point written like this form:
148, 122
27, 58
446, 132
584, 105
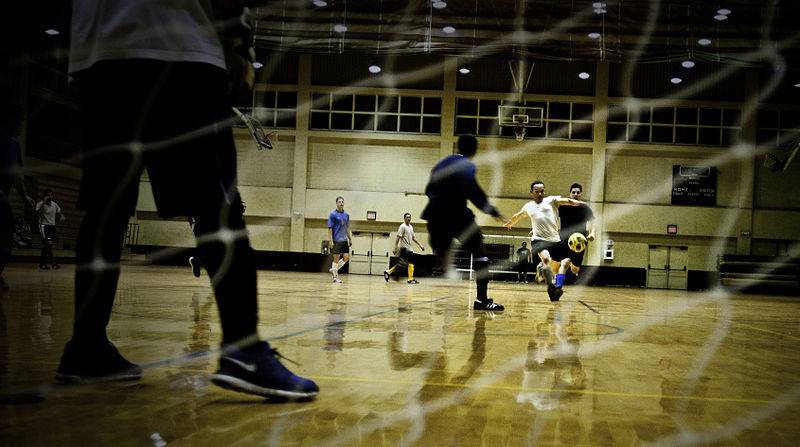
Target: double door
369, 254
666, 267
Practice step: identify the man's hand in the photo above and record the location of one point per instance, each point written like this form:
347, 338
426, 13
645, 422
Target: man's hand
29, 201
234, 24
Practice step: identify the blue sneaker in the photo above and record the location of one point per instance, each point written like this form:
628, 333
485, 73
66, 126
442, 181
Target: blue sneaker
256, 370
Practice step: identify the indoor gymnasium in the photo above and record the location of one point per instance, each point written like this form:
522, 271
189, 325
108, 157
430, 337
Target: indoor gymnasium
400, 223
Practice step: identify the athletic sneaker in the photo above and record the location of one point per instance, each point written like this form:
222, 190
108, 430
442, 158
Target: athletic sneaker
95, 363
256, 370
337, 279
489, 304
56, 266
44, 266
554, 292
386, 275
195, 264
413, 281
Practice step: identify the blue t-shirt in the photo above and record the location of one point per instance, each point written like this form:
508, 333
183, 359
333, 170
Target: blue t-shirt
339, 222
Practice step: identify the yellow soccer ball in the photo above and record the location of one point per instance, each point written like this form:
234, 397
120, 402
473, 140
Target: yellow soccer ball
577, 242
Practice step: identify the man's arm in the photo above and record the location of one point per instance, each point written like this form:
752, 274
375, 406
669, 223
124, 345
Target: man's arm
568, 201
514, 219
330, 236
19, 185
421, 247
590, 229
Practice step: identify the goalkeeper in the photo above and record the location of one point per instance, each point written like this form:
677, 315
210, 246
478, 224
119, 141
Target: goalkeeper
155, 81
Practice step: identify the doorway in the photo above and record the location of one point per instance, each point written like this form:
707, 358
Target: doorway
369, 254
666, 267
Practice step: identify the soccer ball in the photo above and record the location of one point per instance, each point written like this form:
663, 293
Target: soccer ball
577, 242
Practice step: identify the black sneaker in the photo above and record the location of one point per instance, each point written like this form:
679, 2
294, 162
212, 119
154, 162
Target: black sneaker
489, 304
413, 281
195, 264
386, 275
44, 266
256, 370
101, 363
554, 292
56, 266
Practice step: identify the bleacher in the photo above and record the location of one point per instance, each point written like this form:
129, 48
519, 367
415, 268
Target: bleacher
760, 274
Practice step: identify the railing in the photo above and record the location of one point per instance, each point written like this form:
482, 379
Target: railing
131, 237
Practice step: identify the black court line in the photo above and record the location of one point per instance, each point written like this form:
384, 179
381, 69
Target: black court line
590, 307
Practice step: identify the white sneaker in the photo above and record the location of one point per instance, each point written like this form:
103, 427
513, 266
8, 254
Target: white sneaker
337, 279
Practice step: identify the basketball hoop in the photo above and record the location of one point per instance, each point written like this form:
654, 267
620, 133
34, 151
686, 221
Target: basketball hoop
519, 132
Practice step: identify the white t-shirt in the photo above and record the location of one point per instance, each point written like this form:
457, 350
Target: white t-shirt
47, 213
163, 30
406, 234
544, 218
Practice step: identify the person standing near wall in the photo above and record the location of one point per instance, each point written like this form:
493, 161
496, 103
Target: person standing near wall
48, 210
340, 238
523, 260
404, 249
451, 184
10, 175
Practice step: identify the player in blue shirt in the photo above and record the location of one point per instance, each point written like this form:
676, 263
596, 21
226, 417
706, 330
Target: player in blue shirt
340, 238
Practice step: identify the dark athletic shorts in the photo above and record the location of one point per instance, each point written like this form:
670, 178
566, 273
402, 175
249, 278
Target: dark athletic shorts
180, 113
340, 247
556, 249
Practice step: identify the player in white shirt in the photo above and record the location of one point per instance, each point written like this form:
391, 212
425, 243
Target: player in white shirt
49, 213
545, 241
404, 249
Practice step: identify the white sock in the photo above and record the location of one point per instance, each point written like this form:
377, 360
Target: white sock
339, 264
334, 266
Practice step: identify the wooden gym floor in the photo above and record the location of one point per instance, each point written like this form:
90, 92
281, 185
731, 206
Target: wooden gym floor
402, 364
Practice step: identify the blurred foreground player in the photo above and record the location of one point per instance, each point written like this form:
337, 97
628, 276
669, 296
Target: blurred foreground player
155, 80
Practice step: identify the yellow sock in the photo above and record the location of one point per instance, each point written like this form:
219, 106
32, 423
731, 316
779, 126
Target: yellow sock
391, 270
410, 271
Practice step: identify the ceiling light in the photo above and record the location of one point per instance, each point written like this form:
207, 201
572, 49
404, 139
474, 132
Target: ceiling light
594, 35
583, 75
723, 11
51, 32
720, 17
439, 4
797, 85
676, 80
600, 10
257, 65
463, 70
449, 29
598, 5
704, 41
320, 3
374, 68
688, 63
339, 28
